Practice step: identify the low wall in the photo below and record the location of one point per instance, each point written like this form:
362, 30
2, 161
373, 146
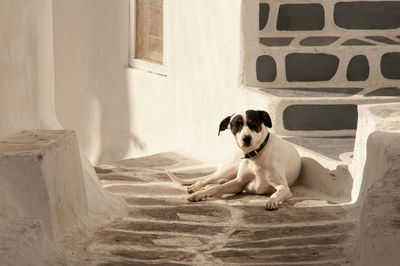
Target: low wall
49, 200
376, 187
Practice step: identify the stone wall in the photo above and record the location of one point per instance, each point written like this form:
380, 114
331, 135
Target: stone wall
323, 49
330, 41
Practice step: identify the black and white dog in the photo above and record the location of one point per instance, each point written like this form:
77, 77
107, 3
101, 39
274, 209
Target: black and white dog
266, 164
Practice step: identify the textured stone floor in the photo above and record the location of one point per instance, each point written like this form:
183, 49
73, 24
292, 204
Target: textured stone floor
163, 228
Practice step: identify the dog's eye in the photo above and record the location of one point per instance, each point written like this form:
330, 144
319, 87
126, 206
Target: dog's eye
238, 123
251, 123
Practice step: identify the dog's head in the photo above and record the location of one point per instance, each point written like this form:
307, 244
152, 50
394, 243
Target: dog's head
249, 128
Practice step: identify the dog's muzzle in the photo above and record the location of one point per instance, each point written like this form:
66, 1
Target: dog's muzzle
255, 152
246, 140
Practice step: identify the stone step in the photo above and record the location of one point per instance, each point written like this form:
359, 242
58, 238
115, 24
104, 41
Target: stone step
163, 228
317, 111
296, 255
299, 255
137, 263
262, 233
290, 241
176, 228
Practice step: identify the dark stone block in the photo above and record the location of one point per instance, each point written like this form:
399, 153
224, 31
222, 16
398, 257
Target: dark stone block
178, 228
355, 42
310, 67
390, 65
278, 41
287, 214
318, 41
312, 92
358, 68
365, 15
266, 68
335, 239
320, 117
257, 234
143, 201
139, 190
182, 213
382, 39
389, 91
263, 15
282, 255
151, 255
300, 17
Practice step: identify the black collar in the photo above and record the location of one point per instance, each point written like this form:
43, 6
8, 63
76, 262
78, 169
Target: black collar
254, 153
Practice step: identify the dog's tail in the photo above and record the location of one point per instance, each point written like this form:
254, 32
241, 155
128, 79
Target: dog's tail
183, 182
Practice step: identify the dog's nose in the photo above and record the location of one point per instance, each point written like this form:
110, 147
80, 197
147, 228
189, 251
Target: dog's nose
246, 140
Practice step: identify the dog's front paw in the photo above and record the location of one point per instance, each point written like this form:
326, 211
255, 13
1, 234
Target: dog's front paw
195, 187
196, 197
272, 204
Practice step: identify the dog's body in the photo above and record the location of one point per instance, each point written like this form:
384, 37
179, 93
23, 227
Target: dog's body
270, 165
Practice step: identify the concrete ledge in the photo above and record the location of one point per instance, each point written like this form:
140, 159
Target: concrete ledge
48, 188
277, 104
376, 188
45, 171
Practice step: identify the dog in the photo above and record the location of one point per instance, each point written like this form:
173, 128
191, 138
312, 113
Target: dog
266, 164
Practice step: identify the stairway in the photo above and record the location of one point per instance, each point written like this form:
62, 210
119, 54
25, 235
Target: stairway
163, 228
313, 62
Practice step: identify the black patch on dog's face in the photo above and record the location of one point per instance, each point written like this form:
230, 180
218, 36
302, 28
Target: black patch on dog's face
253, 120
237, 124
264, 117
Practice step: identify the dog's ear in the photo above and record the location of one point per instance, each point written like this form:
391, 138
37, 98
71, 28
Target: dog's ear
264, 117
224, 124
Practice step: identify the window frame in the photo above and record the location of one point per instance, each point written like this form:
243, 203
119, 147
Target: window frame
141, 64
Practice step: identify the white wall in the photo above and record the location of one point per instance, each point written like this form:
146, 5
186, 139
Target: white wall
120, 112
91, 55
26, 102
26, 66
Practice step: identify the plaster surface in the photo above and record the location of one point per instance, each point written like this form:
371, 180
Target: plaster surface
375, 170
51, 203
210, 53
48, 193
26, 66
126, 112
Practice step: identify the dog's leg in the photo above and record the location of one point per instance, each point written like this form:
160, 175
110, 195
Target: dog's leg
226, 172
232, 186
235, 185
281, 194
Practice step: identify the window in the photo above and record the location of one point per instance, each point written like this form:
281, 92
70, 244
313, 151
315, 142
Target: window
147, 32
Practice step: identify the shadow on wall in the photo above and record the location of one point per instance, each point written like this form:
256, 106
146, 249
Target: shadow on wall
91, 41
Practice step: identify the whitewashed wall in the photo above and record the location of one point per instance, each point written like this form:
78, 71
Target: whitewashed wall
119, 112
26, 66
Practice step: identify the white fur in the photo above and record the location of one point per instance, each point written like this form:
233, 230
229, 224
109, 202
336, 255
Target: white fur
273, 170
